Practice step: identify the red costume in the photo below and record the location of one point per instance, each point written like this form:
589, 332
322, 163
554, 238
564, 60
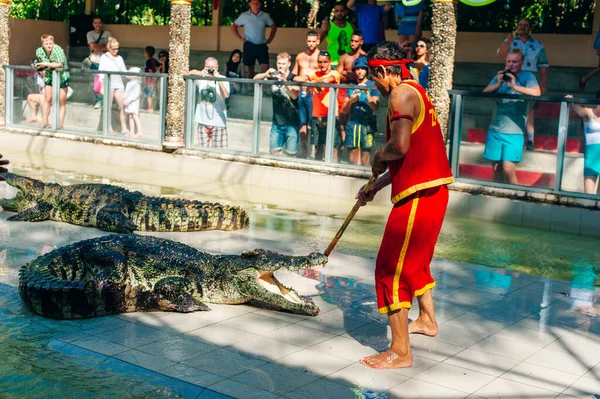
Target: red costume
420, 197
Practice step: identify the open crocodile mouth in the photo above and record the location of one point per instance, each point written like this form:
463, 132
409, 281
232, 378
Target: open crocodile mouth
269, 282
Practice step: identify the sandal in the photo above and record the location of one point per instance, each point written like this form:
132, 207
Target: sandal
47, 126
582, 83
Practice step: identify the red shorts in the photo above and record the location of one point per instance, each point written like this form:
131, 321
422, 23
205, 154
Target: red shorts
402, 267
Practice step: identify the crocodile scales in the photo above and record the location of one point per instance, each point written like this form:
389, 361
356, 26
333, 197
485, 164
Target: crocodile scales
128, 273
115, 209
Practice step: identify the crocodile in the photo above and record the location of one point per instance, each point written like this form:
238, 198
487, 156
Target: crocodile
128, 273
115, 209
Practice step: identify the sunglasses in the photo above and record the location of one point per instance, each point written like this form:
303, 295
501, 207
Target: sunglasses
421, 45
114, 49
323, 52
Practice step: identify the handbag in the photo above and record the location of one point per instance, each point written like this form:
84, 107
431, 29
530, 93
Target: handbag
87, 62
97, 85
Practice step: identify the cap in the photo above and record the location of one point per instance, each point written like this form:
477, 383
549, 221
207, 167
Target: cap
360, 62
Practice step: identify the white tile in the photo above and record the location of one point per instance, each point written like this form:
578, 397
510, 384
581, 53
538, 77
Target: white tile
134, 335
314, 362
454, 377
508, 211
527, 336
274, 378
345, 348
253, 323
432, 349
334, 322
590, 220
481, 207
319, 184
506, 389
177, 348
264, 348
242, 391
144, 360
506, 347
567, 362
565, 219
100, 345
223, 362
537, 215
587, 388
191, 375
459, 336
541, 377
458, 204
483, 362
419, 365
220, 335
416, 389
578, 343
475, 322
181, 322
323, 388
366, 377
299, 335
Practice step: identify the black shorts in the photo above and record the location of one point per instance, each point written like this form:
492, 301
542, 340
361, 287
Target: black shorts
253, 52
318, 131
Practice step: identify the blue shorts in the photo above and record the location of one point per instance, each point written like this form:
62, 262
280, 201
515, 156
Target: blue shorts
408, 28
148, 91
358, 136
591, 163
305, 105
284, 134
503, 146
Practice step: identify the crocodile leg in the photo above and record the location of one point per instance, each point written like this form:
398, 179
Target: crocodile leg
40, 211
178, 294
112, 218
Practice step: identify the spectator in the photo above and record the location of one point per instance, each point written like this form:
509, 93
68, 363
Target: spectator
97, 39
111, 61
3, 162
35, 99
409, 19
504, 140
360, 105
370, 18
535, 60
152, 66
584, 79
133, 94
163, 60
306, 64
256, 47
338, 34
321, 106
234, 69
51, 56
346, 65
286, 118
591, 152
422, 61
211, 111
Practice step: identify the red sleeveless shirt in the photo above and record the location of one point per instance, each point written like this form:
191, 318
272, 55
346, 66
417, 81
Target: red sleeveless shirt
425, 165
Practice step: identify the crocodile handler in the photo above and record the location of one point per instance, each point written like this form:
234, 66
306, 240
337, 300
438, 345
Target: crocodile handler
418, 170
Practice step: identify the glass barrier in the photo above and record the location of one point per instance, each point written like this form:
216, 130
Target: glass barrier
136, 102
554, 160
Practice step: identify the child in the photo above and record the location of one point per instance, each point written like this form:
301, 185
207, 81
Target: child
163, 59
150, 83
133, 92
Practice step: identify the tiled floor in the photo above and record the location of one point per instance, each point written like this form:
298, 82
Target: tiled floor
526, 338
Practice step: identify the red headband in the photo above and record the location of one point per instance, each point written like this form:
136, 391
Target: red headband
386, 63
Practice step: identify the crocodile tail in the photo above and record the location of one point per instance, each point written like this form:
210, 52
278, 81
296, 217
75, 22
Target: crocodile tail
167, 215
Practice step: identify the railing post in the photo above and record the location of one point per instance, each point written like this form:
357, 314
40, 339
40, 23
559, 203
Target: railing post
455, 132
163, 108
9, 95
55, 99
563, 124
256, 115
331, 131
190, 108
106, 111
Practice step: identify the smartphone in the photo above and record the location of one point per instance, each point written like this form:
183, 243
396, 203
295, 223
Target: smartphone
327, 18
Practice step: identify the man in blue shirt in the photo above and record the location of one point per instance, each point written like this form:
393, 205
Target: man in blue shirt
505, 137
370, 17
256, 47
360, 104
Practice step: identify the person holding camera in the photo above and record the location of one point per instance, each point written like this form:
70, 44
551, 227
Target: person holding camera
360, 105
506, 134
51, 56
286, 116
211, 111
337, 33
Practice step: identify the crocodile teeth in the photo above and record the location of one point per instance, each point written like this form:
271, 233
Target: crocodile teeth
293, 297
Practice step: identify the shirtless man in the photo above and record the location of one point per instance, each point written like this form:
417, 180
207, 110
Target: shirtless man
347, 60
306, 65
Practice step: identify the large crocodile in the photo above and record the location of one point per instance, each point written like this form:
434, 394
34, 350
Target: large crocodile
127, 273
115, 209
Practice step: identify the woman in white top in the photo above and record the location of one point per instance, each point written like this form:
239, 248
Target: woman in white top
113, 62
591, 152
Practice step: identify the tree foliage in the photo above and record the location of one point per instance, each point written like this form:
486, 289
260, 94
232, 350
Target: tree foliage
548, 16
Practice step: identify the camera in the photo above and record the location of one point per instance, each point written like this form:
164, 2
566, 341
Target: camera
211, 71
275, 75
35, 62
506, 74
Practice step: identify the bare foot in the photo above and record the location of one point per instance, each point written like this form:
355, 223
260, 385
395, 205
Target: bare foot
388, 360
421, 327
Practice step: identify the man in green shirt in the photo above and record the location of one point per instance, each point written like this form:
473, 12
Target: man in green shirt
337, 34
51, 56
